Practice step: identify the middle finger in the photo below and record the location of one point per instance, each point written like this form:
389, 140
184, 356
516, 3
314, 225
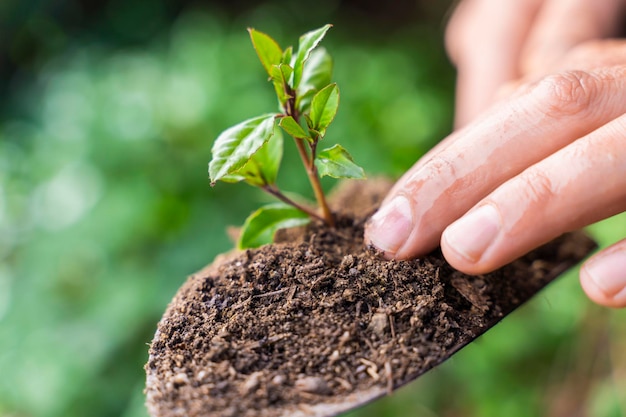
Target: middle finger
520, 132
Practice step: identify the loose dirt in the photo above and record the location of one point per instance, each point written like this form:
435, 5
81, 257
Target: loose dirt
318, 323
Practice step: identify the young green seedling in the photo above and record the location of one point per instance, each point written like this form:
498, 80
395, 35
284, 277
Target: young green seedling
252, 150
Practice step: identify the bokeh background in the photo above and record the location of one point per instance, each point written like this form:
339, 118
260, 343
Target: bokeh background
108, 109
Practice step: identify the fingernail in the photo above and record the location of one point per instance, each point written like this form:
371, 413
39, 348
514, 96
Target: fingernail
608, 272
472, 234
391, 226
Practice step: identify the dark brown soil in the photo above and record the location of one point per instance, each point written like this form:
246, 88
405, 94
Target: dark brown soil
319, 324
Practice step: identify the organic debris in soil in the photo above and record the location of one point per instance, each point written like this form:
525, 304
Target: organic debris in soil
304, 328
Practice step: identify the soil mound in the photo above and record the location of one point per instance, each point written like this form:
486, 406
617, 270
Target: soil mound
317, 323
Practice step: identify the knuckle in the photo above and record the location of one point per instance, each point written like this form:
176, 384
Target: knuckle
567, 93
536, 186
438, 173
440, 167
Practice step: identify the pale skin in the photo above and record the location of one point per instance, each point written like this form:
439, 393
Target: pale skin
539, 147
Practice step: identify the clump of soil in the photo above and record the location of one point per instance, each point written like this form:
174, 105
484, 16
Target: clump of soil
318, 324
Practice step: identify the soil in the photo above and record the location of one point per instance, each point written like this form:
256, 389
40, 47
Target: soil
317, 323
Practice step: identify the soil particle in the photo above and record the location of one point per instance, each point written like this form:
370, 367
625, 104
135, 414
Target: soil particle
318, 323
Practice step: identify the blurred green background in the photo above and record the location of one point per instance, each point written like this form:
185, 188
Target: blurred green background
108, 113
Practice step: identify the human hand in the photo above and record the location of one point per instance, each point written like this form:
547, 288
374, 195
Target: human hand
494, 43
549, 159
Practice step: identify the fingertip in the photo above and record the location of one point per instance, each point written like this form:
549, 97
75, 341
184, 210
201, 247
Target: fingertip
465, 242
597, 294
462, 263
603, 277
390, 227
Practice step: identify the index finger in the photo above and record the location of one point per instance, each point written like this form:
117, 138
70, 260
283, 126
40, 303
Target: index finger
520, 132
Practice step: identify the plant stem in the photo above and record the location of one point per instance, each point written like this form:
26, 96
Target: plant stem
271, 189
314, 179
308, 159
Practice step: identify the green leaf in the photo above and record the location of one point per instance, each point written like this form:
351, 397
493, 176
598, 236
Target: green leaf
235, 146
317, 74
266, 48
280, 75
261, 226
287, 54
308, 42
262, 168
324, 108
336, 162
292, 128
232, 178
318, 71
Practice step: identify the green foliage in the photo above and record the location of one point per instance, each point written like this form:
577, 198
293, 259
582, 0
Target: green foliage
308, 42
293, 128
236, 146
280, 75
336, 162
260, 227
245, 152
316, 75
261, 169
267, 49
323, 109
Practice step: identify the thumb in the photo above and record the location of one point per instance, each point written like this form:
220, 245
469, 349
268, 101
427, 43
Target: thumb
603, 277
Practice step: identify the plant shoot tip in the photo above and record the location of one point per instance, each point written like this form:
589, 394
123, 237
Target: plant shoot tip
308, 104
